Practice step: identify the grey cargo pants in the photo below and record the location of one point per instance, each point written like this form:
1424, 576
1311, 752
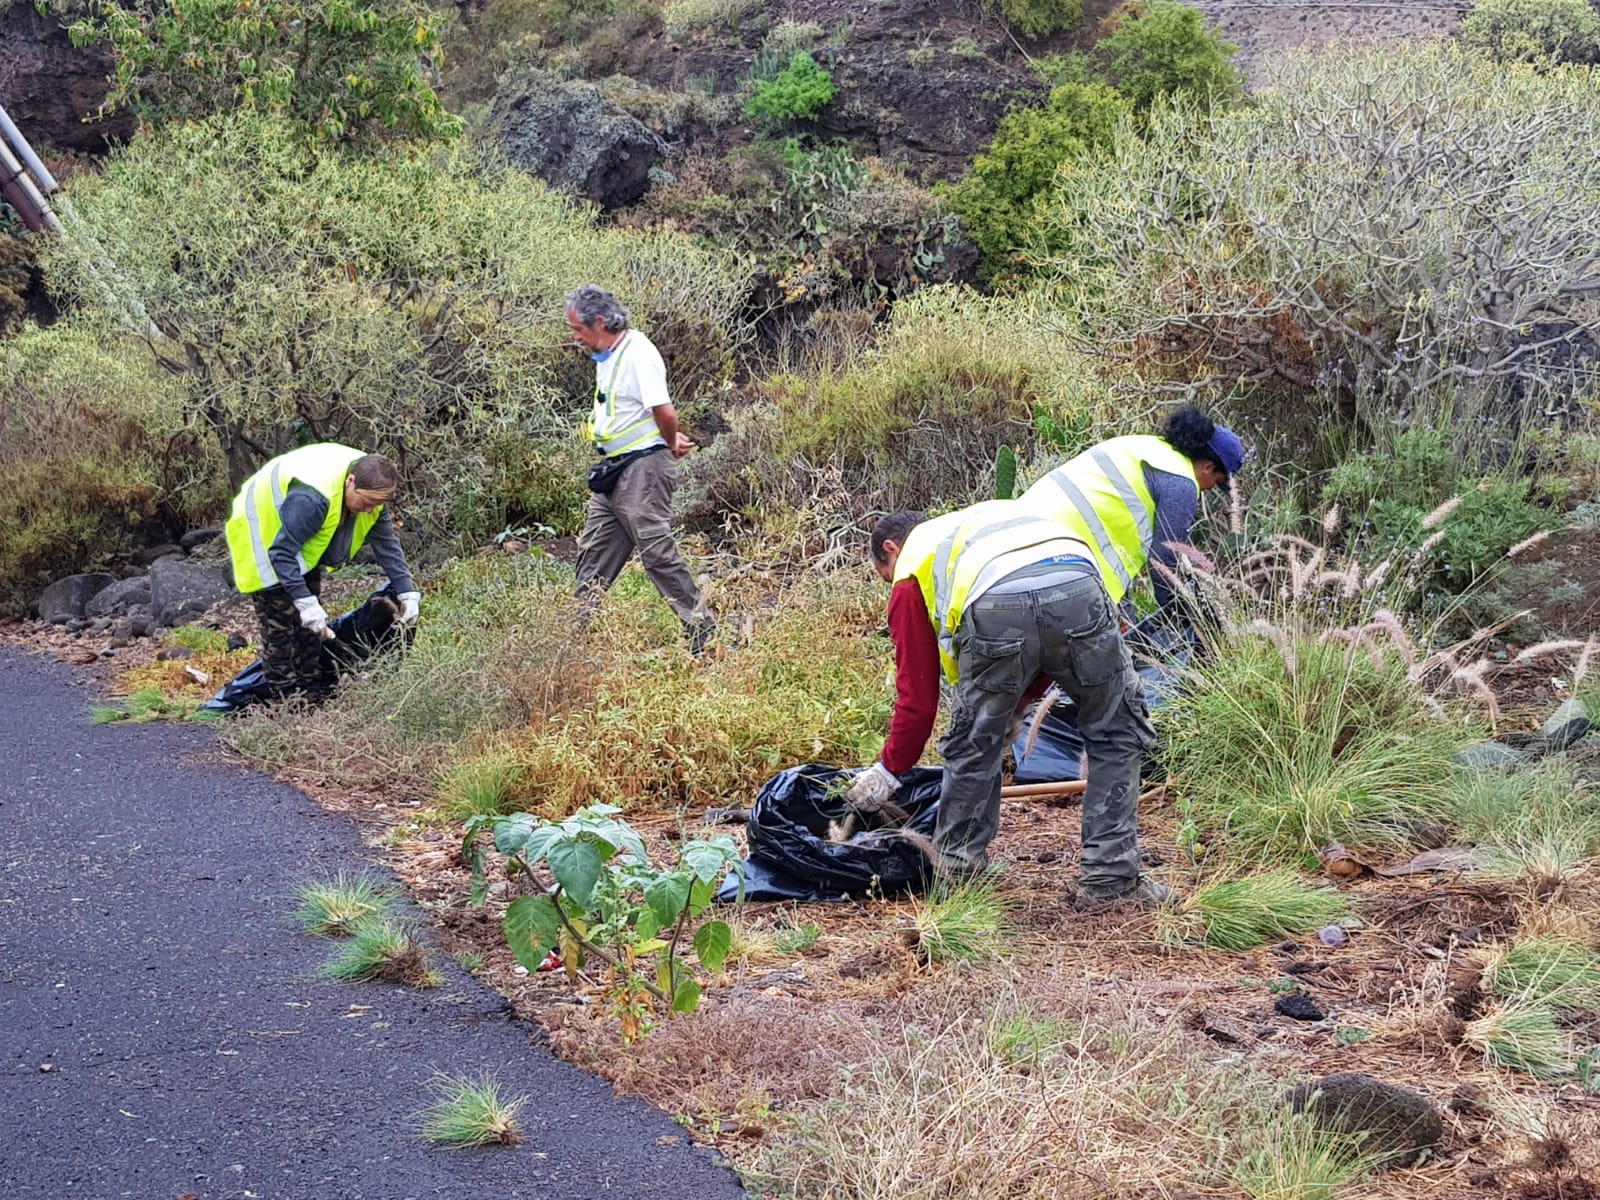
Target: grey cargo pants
1068, 631
637, 515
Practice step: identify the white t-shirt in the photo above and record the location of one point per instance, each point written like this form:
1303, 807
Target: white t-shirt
640, 381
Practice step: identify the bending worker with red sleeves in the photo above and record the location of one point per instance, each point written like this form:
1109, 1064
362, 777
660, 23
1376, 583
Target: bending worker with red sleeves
1000, 598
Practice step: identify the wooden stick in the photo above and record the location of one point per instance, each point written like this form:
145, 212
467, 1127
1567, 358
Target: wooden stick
1066, 787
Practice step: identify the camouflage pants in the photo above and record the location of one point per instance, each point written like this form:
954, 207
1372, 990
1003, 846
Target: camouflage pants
1068, 631
292, 653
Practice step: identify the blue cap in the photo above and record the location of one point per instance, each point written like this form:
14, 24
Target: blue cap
1227, 449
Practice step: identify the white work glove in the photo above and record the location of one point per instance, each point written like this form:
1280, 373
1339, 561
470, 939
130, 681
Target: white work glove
872, 786
313, 616
410, 603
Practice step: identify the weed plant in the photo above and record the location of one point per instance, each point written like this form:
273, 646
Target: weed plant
199, 639
472, 1112
1521, 1033
1238, 914
1284, 743
964, 923
1536, 825
1561, 971
334, 907
142, 706
383, 948
1300, 1160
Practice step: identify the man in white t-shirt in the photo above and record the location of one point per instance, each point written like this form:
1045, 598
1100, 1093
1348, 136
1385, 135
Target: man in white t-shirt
635, 432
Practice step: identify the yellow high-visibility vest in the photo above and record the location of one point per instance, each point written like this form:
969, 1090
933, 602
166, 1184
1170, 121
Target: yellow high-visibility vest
254, 521
947, 554
1103, 500
610, 437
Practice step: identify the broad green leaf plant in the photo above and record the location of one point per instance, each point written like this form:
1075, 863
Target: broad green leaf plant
596, 895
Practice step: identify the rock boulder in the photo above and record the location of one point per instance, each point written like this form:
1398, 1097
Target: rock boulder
1397, 1127
180, 591
66, 599
567, 134
119, 597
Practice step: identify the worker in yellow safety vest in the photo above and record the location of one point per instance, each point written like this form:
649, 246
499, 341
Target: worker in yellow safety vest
311, 508
998, 602
635, 432
1132, 499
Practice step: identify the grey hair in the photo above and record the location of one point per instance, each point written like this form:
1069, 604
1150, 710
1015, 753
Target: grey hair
590, 304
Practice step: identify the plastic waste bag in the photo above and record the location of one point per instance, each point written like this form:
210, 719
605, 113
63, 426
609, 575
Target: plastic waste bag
792, 858
357, 636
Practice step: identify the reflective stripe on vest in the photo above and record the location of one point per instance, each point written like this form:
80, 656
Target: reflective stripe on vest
1102, 498
948, 554
612, 442
255, 523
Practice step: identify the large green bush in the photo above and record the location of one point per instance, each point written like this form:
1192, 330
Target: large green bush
94, 456
797, 93
398, 303
336, 70
1159, 47
996, 199
1385, 226
1537, 31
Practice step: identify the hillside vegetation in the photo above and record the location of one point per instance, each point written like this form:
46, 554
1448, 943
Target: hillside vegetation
1379, 265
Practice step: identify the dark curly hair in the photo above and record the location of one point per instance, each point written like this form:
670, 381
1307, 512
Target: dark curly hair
1188, 431
893, 528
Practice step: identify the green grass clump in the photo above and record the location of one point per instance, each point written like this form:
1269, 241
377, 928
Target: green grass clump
1283, 749
1020, 1038
1521, 1033
1535, 825
1237, 914
472, 1112
1300, 1160
382, 948
199, 639
964, 923
335, 906
485, 786
142, 706
1562, 971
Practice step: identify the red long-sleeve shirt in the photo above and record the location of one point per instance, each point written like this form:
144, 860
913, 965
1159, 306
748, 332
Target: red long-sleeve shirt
916, 677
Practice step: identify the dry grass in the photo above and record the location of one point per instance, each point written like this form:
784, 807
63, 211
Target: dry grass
1116, 1103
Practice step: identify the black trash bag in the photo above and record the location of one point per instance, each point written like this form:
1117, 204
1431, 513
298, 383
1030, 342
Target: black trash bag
791, 857
357, 636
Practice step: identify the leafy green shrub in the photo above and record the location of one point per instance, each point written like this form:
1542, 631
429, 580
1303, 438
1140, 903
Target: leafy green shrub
1239, 914
1298, 249
1160, 47
783, 41
965, 47
797, 93
1039, 18
1281, 749
1536, 31
417, 310
611, 904
1387, 494
338, 71
917, 421
95, 453
996, 198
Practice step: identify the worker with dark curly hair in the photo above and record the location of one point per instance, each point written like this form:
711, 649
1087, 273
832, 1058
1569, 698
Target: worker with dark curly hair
1131, 499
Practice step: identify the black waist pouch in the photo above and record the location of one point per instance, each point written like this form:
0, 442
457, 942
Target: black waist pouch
603, 476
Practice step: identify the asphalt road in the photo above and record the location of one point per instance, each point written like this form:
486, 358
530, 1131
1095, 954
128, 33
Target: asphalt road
161, 1029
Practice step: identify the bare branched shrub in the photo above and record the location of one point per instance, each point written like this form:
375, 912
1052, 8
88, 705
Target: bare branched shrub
1396, 221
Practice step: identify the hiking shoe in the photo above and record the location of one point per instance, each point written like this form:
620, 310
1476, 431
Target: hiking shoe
699, 634
1146, 893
